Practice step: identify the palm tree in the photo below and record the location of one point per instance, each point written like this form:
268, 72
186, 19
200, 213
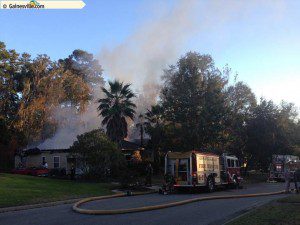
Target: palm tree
115, 108
154, 116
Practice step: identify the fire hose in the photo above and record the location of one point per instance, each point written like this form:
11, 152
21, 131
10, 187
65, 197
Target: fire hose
76, 207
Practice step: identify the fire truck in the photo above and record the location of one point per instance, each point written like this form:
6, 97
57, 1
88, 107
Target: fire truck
198, 169
277, 166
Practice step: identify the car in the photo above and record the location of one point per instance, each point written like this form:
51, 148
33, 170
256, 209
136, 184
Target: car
22, 171
34, 171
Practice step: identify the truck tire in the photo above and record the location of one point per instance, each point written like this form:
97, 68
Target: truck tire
210, 184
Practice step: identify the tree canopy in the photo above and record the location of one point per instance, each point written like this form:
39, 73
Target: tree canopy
31, 90
193, 96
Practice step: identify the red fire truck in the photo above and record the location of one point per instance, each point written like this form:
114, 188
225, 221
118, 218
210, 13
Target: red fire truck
277, 166
198, 169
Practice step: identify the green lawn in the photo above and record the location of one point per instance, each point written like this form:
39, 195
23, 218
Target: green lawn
283, 211
291, 199
22, 190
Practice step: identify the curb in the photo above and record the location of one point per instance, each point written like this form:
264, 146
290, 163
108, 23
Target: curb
47, 204
40, 205
155, 207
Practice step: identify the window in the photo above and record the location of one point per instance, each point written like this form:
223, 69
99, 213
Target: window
182, 167
231, 163
43, 160
56, 161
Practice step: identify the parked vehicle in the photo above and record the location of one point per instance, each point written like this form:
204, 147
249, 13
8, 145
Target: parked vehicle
198, 169
34, 171
277, 166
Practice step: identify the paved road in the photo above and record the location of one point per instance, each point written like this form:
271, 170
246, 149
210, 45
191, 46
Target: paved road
209, 212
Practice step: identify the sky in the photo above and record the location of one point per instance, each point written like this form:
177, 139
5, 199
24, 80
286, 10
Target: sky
259, 40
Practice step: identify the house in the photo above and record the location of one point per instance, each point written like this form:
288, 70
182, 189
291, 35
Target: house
62, 159
35, 157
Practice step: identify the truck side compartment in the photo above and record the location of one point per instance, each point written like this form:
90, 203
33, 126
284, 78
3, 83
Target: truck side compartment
196, 169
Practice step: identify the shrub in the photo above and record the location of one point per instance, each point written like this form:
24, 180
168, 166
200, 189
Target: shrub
99, 157
58, 172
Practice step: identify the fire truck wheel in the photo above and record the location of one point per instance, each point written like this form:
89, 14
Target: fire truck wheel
210, 184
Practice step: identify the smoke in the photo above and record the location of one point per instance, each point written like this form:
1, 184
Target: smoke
154, 45
71, 123
141, 58
158, 42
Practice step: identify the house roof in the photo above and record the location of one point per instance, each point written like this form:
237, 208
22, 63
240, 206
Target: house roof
138, 141
127, 145
36, 151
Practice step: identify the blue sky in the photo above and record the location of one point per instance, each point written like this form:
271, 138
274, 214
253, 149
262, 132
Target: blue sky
259, 41
58, 32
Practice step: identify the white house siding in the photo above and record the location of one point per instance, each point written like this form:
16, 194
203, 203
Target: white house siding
37, 160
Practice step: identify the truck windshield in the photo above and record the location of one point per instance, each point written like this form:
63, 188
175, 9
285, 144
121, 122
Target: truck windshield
237, 164
228, 162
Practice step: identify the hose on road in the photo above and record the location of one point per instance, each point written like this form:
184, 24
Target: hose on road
155, 207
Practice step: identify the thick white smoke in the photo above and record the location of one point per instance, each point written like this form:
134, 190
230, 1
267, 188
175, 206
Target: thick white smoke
159, 42
141, 58
155, 44
71, 123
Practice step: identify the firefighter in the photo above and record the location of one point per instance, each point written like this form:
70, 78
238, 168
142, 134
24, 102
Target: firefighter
296, 174
72, 171
287, 177
170, 181
295, 178
45, 165
149, 173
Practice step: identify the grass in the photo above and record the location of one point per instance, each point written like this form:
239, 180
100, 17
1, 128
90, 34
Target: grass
22, 190
282, 211
291, 199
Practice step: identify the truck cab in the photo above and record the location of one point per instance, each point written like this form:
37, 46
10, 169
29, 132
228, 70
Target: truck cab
232, 169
